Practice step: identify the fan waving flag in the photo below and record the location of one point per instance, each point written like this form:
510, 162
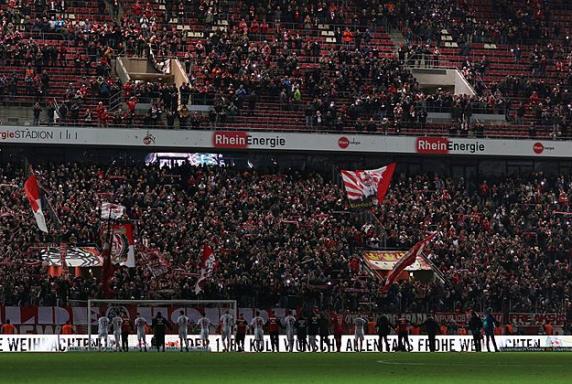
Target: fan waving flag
367, 187
35, 198
208, 265
406, 260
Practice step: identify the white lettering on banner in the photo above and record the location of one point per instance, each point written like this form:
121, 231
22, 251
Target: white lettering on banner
288, 141
66, 343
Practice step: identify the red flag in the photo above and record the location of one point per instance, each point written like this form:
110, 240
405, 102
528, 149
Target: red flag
208, 265
367, 187
34, 195
406, 260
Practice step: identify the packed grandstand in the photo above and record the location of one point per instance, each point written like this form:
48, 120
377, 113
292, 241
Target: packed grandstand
287, 236
299, 65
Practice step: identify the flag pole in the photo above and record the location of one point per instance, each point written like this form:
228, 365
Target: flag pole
106, 256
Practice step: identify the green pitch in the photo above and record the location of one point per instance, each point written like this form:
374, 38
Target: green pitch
347, 368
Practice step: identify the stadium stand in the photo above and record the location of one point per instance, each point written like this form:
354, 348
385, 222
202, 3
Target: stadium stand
324, 66
503, 243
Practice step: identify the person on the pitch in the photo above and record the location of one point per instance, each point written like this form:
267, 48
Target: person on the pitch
289, 322
476, 327
9, 329
338, 322
257, 325
383, 329
241, 327
125, 330
431, 328
490, 324
313, 331
403, 334
159, 329
302, 332
68, 328
274, 331
140, 324
359, 332
324, 332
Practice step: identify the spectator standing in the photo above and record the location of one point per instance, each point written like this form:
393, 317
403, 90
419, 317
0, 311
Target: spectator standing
37, 111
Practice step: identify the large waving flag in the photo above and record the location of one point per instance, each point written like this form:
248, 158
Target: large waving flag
35, 198
110, 211
367, 187
208, 265
406, 260
123, 245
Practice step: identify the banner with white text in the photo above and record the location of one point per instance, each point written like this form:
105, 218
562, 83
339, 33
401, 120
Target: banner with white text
81, 343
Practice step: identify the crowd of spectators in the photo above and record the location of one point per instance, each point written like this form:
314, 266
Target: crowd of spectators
515, 22
60, 64
504, 243
273, 50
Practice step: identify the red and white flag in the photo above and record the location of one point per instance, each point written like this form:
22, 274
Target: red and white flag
208, 266
367, 187
110, 211
35, 198
406, 260
123, 245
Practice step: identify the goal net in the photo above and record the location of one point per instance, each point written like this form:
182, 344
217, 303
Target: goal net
129, 310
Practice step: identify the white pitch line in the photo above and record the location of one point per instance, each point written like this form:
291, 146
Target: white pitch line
469, 364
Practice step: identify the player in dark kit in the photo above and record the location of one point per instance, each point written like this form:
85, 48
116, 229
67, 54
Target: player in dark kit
476, 327
313, 330
241, 326
431, 328
302, 332
159, 328
125, 331
383, 330
324, 333
274, 332
403, 334
490, 324
338, 322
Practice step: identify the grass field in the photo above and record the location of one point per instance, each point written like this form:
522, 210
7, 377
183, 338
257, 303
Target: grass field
348, 368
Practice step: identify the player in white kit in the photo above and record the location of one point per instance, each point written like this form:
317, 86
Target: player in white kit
102, 330
183, 324
360, 322
289, 322
226, 323
257, 325
140, 324
116, 323
204, 323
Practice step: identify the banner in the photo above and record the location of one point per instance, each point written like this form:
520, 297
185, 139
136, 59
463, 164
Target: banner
285, 141
71, 343
208, 265
406, 260
153, 260
123, 245
367, 187
386, 260
83, 257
